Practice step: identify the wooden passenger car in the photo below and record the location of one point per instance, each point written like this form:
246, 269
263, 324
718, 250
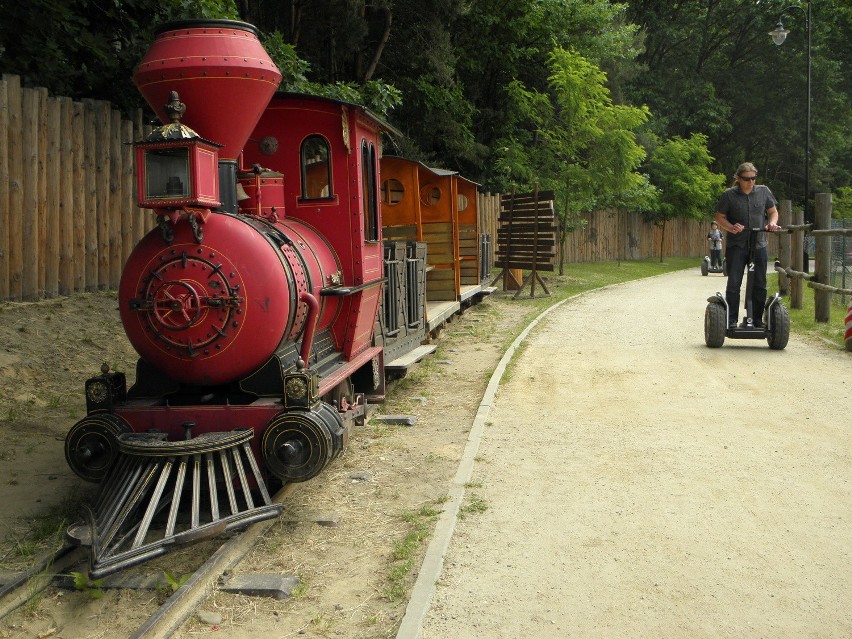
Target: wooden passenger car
437, 207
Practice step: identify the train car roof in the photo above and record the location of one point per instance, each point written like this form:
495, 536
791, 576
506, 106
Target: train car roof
439, 172
387, 126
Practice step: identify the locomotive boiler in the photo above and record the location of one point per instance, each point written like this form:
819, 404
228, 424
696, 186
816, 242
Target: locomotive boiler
251, 304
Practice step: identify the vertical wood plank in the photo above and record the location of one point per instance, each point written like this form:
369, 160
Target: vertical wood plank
41, 185
78, 211
67, 189
4, 192
90, 227
129, 209
30, 232
797, 247
139, 217
785, 216
116, 202
102, 191
16, 186
53, 176
822, 218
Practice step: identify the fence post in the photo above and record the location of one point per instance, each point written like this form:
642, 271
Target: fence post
796, 248
822, 299
785, 215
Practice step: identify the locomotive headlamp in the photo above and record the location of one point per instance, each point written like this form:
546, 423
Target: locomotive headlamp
105, 390
300, 389
175, 167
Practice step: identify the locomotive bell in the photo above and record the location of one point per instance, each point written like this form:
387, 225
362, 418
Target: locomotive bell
175, 167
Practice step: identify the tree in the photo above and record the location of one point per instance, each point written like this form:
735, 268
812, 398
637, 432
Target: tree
88, 49
711, 69
679, 168
571, 139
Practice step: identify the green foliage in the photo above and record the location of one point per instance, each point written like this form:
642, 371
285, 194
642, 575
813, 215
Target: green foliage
92, 587
377, 96
89, 50
511, 92
679, 168
294, 71
175, 581
842, 203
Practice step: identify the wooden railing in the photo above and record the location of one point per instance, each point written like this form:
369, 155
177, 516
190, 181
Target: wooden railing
790, 265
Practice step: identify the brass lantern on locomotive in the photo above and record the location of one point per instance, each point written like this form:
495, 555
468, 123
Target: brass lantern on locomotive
175, 167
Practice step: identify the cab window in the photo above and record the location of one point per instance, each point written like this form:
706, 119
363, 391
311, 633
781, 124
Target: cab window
316, 168
369, 189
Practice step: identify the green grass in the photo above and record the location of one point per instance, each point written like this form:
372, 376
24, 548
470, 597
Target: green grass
802, 320
419, 526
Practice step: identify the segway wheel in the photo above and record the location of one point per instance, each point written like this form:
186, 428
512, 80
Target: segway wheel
715, 322
779, 335
704, 268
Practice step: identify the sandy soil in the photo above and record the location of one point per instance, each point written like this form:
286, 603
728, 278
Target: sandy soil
636, 483
381, 496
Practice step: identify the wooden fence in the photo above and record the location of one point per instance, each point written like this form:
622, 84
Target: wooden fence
68, 214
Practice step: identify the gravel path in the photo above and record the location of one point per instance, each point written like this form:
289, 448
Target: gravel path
639, 484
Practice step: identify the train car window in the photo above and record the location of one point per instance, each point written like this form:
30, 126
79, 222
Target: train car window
430, 195
392, 191
462, 202
316, 168
369, 187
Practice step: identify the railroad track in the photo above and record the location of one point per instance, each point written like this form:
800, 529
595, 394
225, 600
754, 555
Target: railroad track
176, 609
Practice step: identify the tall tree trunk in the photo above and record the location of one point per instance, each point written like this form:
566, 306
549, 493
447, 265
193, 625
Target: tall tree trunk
377, 54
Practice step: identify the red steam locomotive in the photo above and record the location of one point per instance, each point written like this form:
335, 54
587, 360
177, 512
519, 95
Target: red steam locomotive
255, 304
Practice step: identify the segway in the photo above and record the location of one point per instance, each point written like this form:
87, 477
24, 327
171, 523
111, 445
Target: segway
776, 319
707, 267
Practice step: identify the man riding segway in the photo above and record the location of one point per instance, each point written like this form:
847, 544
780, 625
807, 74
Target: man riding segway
745, 211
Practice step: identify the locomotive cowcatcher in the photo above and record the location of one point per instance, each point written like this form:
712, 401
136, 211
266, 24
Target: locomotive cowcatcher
252, 303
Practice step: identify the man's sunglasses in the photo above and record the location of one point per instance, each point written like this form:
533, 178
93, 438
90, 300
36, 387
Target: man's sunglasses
748, 179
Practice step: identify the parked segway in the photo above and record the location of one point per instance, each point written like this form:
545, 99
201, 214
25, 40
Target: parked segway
708, 267
776, 319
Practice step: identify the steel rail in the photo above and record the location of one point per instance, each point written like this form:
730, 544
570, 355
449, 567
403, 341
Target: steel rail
176, 610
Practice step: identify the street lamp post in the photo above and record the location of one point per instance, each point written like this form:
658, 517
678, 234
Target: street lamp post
779, 34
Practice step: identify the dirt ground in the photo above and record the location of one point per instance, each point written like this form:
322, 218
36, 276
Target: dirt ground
670, 520
381, 496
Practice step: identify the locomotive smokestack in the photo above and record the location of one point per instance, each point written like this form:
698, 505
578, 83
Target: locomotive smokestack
220, 68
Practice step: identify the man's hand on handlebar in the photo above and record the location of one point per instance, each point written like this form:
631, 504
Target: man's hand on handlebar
772, 227
736, 228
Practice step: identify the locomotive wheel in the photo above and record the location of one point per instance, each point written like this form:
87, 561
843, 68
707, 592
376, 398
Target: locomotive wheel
343, 391
92, 445
715, 323
780, 333
297, 446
